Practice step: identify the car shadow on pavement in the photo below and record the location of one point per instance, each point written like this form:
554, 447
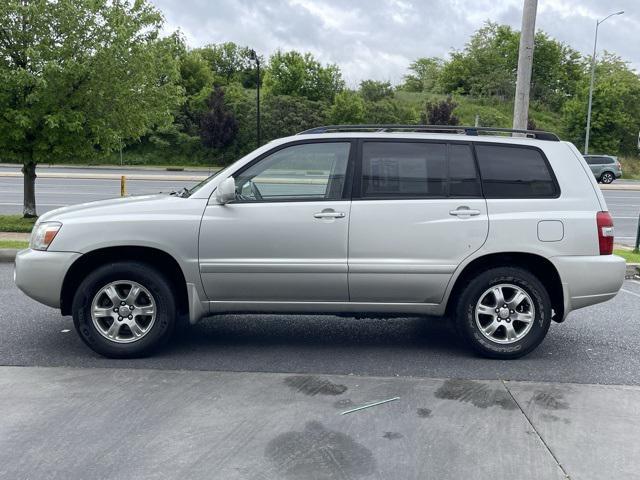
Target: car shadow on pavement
319, 331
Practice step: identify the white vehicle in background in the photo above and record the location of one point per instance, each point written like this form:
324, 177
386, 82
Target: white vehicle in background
502, 234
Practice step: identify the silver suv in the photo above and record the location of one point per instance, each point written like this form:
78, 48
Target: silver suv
502, 234
605, 168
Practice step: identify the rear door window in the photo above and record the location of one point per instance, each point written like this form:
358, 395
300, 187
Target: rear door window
515, 172
404, 170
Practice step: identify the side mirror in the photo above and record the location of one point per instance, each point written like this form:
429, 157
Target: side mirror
226, 191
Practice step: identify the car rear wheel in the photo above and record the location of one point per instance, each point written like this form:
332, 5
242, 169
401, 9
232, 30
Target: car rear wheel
607, 177
124, 310
504, 313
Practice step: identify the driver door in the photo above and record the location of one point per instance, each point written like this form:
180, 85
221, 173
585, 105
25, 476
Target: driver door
284, 238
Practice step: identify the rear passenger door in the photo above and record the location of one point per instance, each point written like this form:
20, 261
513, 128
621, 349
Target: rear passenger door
417, 213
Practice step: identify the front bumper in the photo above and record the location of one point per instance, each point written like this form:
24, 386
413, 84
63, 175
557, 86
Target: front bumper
40, 274
587, 280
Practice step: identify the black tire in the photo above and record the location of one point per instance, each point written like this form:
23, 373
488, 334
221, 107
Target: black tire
146, 276
607, 177
466, 309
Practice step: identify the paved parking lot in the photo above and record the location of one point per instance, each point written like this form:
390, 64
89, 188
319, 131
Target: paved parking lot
599, 344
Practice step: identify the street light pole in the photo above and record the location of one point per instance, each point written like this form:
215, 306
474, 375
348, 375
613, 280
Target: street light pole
593, 76
254, 56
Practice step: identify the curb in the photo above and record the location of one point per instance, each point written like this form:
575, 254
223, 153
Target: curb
621, 186
111, 176
169, 168
633, 271
8, 255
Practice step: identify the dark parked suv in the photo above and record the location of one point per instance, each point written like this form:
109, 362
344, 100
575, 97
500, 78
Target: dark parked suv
606, 168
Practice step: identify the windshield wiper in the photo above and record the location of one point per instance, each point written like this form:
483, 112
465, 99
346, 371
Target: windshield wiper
183, 192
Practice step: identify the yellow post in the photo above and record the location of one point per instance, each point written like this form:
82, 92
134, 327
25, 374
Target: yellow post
123, 186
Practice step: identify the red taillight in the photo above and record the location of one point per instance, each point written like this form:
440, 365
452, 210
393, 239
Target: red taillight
605, 232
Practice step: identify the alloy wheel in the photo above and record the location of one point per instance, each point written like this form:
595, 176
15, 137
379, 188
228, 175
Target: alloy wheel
504, 313
123, 311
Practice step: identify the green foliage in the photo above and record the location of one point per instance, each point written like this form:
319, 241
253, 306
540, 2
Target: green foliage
488, 64
80, 79
288, 115
628, 255
14, 244
295, 74
195, 73
348, 108
85, 77
426, 75
230, 63
373, 90
615, 117
390, 111
16, 223
630, 166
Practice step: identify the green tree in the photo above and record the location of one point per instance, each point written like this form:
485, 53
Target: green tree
286, 115
488, 64
389, 111
348, 108
374, 90
80, 78
195, 74
230, 63
298, 75
615, 114
425, 75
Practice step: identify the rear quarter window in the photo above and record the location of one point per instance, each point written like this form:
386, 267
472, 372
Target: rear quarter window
515, 172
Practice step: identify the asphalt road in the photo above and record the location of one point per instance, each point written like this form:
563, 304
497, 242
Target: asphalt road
57, 192
599, 344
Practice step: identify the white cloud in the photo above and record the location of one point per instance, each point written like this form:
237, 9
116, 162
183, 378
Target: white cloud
379, 38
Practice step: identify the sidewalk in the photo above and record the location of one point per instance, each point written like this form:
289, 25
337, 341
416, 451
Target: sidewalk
19, 237
147, 424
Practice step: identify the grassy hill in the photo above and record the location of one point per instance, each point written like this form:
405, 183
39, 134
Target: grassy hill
493, 112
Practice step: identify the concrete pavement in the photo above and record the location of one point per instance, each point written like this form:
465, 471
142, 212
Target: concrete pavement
72, 423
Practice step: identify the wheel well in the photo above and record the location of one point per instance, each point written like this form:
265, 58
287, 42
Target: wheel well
539, 266
156, 258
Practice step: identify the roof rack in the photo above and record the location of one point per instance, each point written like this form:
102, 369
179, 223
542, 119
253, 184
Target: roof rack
460, 130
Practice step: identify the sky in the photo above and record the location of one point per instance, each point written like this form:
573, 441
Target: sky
378, 39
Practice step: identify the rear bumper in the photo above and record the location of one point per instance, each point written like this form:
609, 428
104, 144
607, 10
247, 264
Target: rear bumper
587, 280
40, 274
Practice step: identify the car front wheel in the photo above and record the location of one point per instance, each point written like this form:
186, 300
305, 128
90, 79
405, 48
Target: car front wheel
607, 177
124, 310
504, 313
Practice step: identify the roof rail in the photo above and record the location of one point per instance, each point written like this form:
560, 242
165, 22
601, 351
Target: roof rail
460, 130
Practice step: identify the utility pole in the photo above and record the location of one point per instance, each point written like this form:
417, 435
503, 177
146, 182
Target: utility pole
525, 64
254, 56
593, 76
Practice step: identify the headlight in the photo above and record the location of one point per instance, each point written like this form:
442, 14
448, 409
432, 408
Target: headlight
43, 234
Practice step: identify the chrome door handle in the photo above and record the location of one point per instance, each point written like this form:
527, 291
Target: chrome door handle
464, 212
329, 214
